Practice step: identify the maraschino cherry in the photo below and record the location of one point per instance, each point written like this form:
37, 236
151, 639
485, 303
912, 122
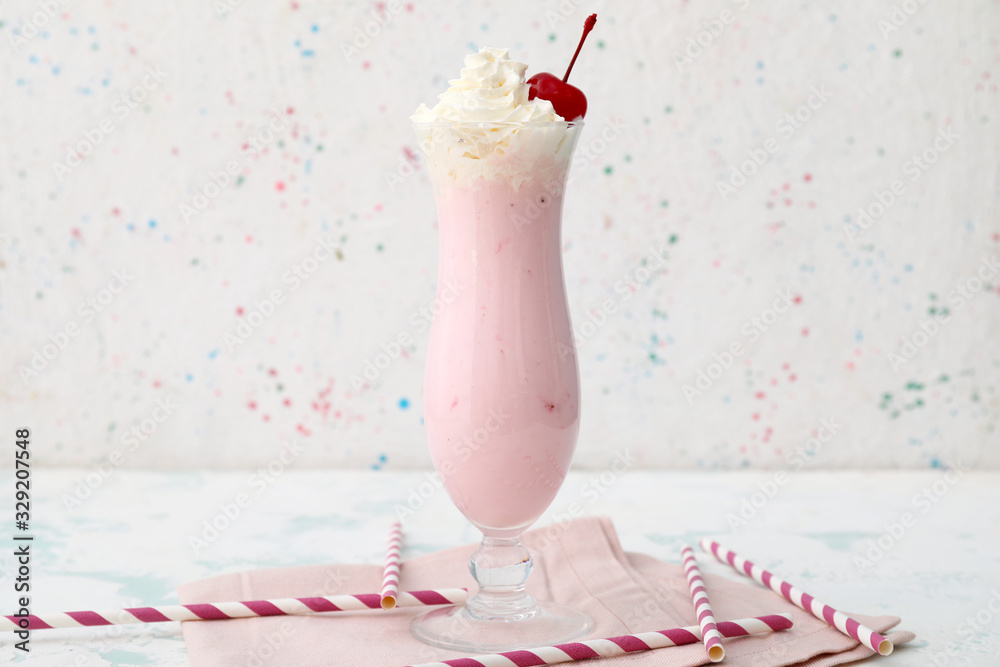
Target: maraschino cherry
568, 101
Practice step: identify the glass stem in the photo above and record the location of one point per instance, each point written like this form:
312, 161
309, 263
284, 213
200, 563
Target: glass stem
501, 566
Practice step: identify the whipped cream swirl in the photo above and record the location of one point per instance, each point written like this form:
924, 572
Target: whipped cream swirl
491, 89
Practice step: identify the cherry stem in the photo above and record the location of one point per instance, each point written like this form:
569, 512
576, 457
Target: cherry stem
588, 25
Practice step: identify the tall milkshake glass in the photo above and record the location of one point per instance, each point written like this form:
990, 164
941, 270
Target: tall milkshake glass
501, 389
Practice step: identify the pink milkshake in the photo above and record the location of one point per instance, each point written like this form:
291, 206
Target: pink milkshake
501, 389
502, 393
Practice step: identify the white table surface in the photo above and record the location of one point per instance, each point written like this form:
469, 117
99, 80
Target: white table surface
128, 543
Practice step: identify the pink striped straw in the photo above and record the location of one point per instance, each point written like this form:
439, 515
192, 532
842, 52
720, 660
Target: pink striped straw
702, 607
613, 647
224, 610
820, 610
390, 577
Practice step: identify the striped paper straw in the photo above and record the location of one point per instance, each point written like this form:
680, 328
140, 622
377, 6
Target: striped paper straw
702, 607
613, 647
390, 577
820, 610
223, 610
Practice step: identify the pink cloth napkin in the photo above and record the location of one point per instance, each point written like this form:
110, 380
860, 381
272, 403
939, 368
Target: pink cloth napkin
580, 564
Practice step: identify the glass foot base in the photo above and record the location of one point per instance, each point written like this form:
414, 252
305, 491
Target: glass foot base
455, 628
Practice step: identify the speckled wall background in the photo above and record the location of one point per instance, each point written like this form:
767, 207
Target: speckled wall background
214, 228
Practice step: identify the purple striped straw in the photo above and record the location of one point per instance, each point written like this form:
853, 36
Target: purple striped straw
702, 607
800, 599
224, 610
390, 577
617, 646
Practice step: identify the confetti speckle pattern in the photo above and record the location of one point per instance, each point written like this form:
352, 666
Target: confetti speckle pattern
251, 169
